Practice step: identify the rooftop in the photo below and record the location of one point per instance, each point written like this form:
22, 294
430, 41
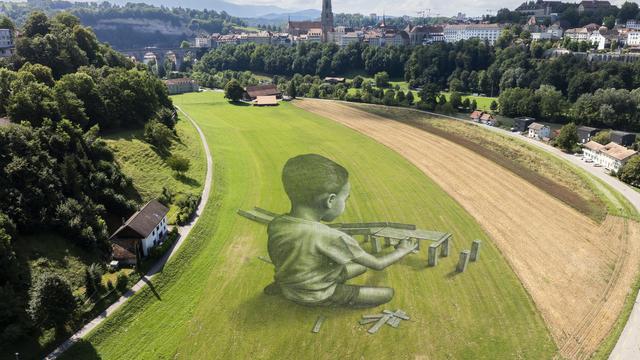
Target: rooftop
145, 220
618, 152
536, 126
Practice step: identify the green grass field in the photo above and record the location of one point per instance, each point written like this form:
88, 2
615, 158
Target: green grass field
484, 102
208, 301
148, 169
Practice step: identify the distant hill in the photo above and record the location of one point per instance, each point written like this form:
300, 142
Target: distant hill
309, 14
217, 5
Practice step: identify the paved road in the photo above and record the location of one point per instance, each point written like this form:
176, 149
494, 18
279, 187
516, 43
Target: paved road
182, 230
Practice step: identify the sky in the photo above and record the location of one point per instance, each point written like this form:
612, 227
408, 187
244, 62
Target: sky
401, 7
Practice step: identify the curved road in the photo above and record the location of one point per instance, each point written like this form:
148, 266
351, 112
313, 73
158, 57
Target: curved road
182, 230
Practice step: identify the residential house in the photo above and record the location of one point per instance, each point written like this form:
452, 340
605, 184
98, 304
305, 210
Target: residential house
633, 38
521, 124
252, 92
140, 233
261, 37
593, 5
424, 35
181, 86
297, 28
203, 41
577, 34
351, 38
475, 116
585, 133
7, 47
611, 156
623, 138
633, 24
488, 119
539, 8
539, 131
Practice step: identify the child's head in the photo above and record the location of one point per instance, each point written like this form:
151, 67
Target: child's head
316, 182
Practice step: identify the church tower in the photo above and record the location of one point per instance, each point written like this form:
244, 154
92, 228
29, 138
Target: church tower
326, 20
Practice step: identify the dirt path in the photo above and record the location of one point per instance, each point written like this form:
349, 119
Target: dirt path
578, 272
157, 267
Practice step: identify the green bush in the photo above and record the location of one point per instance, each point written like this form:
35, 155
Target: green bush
188, 205
122, 282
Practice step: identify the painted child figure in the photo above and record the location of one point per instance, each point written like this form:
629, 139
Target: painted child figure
313, 261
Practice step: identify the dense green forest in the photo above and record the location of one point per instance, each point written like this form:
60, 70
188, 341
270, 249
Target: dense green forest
120, 33
56, 174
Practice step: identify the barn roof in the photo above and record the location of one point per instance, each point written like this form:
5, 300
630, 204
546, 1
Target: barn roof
262, 90
145, 220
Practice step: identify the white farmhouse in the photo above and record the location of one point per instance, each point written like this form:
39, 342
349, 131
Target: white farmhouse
611, 156
539, 131
140, 233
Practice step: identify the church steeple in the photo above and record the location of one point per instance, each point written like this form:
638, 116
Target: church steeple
326, 19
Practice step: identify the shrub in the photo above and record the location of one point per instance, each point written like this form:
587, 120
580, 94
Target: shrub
166, 116
187, 205
178, 164
357, 82
382, 79
158, 134
122, 282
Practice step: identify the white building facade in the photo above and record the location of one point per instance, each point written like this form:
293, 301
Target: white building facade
488, 32
7, 47
611, 156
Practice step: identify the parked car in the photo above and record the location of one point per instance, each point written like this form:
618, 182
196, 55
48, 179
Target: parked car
597, 165
588, 160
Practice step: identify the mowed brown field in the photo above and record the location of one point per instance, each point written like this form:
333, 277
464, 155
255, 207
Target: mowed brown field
577, 271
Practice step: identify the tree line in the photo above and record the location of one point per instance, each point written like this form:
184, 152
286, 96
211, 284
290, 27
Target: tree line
471, 66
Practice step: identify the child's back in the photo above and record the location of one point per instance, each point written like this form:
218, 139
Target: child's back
309, 257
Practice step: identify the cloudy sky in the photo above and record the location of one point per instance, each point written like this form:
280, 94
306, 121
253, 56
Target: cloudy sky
400, 7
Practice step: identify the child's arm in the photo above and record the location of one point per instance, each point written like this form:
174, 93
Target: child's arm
379, 263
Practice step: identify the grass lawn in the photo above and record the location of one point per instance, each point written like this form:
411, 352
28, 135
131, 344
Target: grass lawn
208, 301
148, 169
484, 102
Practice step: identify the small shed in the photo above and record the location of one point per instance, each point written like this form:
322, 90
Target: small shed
269, 100
585, 133
623, 138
